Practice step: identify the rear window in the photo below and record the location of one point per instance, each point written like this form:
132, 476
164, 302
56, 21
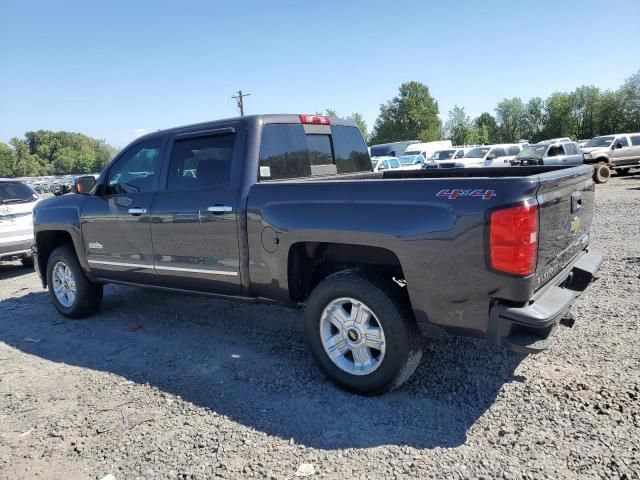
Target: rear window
288, 152
16, 192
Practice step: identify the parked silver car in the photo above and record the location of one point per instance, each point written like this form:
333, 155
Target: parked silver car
17, 200
563, 152
619, 152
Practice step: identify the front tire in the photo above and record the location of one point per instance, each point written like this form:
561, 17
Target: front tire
362, 333
601, 173
71, 292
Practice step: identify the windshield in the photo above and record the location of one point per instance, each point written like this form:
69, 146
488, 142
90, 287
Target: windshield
410, 159
442, 155
532, 151
477, 152
16, 192
599, 142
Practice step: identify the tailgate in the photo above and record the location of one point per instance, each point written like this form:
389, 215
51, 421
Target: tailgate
566, 202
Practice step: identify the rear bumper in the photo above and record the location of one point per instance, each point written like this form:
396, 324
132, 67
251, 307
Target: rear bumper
16, 249
527, 329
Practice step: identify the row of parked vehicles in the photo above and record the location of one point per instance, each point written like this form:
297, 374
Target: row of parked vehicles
606, 153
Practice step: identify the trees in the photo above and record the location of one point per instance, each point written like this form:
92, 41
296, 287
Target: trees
44, 152
584, 110
412, 114
510, 118
630, 100
534, 120
488, 128
458, 127
358, 119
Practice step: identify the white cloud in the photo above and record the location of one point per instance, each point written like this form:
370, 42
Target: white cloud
138, 132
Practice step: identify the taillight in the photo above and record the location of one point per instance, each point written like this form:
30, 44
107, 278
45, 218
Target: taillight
315, 119
513, 240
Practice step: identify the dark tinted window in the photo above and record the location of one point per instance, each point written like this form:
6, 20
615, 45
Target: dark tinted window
287, 152
16, 192
320, 154
498, 152
201, 162
635, 140
623, 141
555, 151
350, 150
283, 153
136, 169
513, 150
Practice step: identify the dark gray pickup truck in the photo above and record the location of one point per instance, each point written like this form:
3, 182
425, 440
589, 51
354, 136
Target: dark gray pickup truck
285, 209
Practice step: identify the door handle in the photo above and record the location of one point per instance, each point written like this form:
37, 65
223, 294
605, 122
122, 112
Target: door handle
220, 209
137, 211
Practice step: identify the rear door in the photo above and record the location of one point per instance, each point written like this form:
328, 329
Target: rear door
635, 148
195, 215
116, 221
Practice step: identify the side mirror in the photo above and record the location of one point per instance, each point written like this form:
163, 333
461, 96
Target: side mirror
618, 145
491, 157
382, 167
84, 185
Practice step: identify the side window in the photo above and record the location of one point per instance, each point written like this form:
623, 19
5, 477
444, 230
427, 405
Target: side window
459, 154
136, 170
571, 149
395, 163
200, 162
513, 150
555, 150
385, 163
635, 140
498, 152
623, 141
283, 152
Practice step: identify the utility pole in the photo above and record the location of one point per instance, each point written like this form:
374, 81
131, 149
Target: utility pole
239, 98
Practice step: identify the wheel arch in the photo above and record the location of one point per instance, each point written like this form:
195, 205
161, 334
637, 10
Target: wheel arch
310, 262
46, 241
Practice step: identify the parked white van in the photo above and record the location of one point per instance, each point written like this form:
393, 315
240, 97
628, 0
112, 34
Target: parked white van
486, 156
427, 149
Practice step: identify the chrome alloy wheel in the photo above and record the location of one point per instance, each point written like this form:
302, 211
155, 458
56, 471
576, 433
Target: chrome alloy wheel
352, 337
64, 285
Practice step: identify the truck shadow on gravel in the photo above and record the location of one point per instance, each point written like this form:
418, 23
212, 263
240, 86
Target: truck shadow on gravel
249, 363
12, 270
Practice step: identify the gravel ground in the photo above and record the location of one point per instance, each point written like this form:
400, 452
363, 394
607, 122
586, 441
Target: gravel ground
154, 387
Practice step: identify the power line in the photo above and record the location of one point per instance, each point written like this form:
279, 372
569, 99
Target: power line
240, 101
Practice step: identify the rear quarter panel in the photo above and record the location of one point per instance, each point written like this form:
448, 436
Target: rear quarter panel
438, 239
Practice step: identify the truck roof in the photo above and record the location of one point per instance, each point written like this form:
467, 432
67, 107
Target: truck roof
264, 119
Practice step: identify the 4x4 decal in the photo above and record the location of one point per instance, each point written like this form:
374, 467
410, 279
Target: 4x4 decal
454, 193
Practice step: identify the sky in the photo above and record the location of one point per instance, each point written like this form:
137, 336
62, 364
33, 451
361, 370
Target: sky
117, 69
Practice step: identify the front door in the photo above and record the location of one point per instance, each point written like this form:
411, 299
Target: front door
621, 152
116, 221
194, 217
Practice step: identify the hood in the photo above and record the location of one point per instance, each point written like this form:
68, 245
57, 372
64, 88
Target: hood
594, 149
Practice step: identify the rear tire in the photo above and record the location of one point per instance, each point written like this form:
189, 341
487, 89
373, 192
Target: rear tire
383, 318
27, 262
601, 173
71, 292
